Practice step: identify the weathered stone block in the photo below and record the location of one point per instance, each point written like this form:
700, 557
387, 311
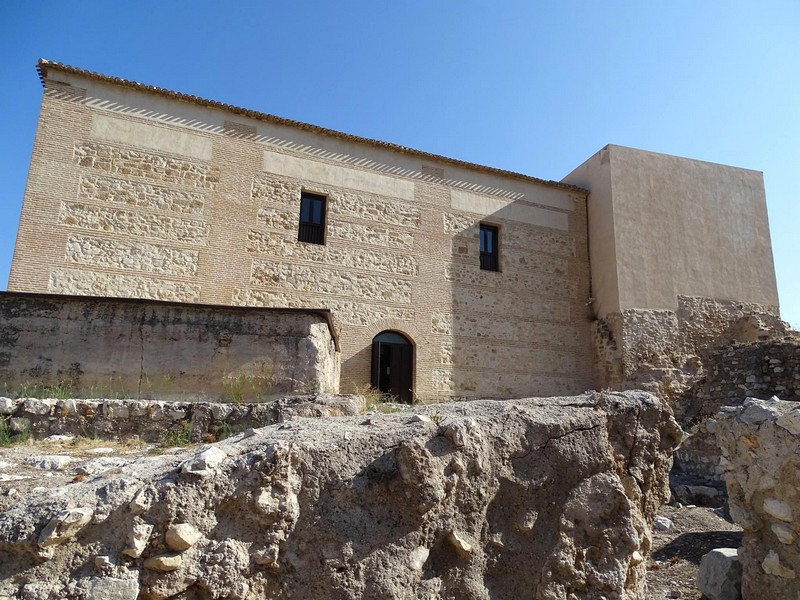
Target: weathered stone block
318, 279
720, 575
141, 195
136, 163
90, 283
763, 482
112, 220
135, 256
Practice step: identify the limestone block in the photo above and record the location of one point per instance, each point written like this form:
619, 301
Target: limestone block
319, 279
467, 249
360, 206
276, 190
373, 235
135, 256
164, 562
278, 218
772, 565
497, 328
459, 542
181, 536
19, 424
138, 537
204, 462
348, 312
141, 195
663, 523
535, 239
64, 526
522, 303
88, 283
7, 406
720, 575
155, 167
418, 557
112, 588
34, 406
545, 284
349, 258
55, 462
510, 358
140, 225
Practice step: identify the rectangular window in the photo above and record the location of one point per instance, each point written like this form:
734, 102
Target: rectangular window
490, 258
312, 219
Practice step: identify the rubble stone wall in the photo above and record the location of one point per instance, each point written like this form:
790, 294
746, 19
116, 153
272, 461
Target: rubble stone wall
545, 498
156, 421
759, 442
103, 347
662, 350
731, 373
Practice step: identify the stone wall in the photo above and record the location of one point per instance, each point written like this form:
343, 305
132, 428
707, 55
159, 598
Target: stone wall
759, 443
661, 350
102, 347
156, 421
134, 194
729, 374
548, 498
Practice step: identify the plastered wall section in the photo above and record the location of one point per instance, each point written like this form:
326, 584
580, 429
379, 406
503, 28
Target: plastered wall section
98, 347
141, 196
675, 226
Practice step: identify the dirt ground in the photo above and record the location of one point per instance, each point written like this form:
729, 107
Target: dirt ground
671, 569
672, 565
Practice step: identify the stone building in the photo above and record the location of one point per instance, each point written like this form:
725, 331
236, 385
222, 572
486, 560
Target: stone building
444, 278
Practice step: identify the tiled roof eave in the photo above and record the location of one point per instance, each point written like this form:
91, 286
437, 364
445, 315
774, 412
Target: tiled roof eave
44, 65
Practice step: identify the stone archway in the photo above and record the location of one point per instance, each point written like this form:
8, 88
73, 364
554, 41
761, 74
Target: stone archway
393, 365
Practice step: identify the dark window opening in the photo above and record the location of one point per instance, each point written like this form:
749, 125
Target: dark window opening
490, 258
312, 219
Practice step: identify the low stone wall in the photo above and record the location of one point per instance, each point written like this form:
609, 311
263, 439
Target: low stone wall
549, 498
107, 347
730, 374
759, 442
155, 421
660, 350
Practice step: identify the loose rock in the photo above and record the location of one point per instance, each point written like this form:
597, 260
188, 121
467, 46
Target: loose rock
181, 537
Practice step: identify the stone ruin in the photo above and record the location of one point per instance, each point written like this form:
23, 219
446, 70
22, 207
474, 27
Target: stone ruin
760, 444
544, 498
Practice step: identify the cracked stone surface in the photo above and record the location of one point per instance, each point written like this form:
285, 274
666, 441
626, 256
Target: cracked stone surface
538, 498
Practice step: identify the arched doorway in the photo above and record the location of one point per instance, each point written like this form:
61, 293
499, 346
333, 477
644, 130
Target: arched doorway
393, 365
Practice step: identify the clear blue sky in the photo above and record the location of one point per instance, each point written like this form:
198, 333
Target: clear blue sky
529, 86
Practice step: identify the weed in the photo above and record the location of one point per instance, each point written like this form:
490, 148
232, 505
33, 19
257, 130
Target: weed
376, 400
62, 390
234, 387
311, 387
182, 436
238, 388
224, 431
8, 437
437, 417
